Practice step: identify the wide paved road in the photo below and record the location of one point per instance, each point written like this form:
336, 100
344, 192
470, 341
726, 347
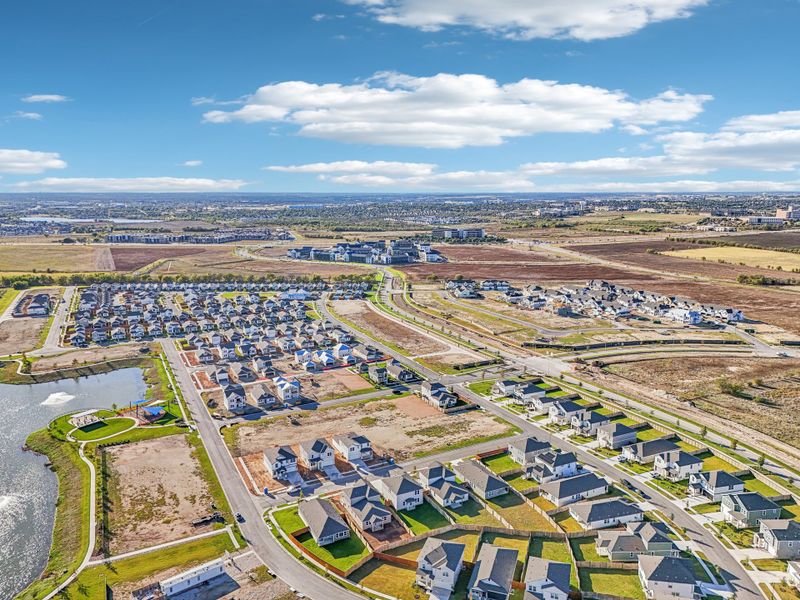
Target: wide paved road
271, 553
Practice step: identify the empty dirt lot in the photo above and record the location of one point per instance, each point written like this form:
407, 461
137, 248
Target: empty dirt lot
332, 384
56, 258
520, 273
156, 490
766, 402
495, 254
131, 258
363, 316
399, 427
20, 335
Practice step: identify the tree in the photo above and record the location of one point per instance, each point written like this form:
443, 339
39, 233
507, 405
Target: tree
703, 431
734, 444
761, 460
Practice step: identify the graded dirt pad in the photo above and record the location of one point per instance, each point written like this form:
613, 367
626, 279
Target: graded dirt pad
131, 258
384, 329
103, 260
636, 254
493, 254
156, 492
87, 356
520, 273
21, 334
398, 432
760, 303
448, 360
768, 398
335, 383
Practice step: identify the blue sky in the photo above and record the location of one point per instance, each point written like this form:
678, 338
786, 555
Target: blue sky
400, 95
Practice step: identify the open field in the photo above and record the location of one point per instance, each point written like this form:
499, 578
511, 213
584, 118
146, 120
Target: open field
88, 355
131, 258
56, 258
390, 579
768, 407
447, 361
335, 383
21, 335
768, 239
404, 338
751, 257
609, 581
524, 273
156, 490
625, 220
399, 427
497, 254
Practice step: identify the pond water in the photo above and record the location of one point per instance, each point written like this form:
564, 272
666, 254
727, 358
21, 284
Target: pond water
29, 490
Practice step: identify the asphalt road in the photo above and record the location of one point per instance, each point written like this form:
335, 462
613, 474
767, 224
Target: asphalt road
255, 531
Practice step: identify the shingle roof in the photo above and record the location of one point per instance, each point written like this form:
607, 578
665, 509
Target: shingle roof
589, 512
440, 553
321, 517
564, 488
494, 569
555, 572
784, 530
667, 569
479, 476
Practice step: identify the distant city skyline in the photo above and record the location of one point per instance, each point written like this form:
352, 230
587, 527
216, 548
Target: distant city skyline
371, 96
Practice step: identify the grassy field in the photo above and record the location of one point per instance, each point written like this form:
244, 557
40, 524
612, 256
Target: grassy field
586, 549
500, 463
89, 583
715, 463
648, 433
423, 518
769, 564
388, 579
519, 483
611, 581
7, 296
105, 428
47, 258
741, 537
750, 257
708, 507
751, 484
567, 523
519, 515
473, 513
482, 388
342, 554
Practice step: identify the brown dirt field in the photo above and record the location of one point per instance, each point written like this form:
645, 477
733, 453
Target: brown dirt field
636, 255
363, 316
103, 260
494, 254
392, 431
156, 491
89, 355
205, 380
769, 239
335, 383
131, 258
258, 471
697, 379
20, 335
522, 273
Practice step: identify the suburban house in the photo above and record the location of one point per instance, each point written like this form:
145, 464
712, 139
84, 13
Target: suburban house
668, 578
399, 372
287, 390
547, 579
220, 375
493, 573
639, 538
780, 537
378, 374
233, 397
524, 451
353, 446
646, 452
506, 387
553, 465
540, 405
280, 461
441, 485
748, 509
262, 396
525, 394
317, 455
324, 523
714, 484
676, 465
439, 565
481, 480
562, 412
402, 492
363, 503
589, 422
605, 513
573, 489
437, 395
615, 435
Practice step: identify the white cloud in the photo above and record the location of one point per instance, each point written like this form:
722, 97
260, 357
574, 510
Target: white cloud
132, 184
30, 116
527, 19
617, 166
46, 98
378, 167
192, 163
788, 119
452, 111
686, 185
28, 162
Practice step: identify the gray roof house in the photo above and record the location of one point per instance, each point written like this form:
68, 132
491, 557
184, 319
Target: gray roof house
363, 503
439, 565
546, 579
646, 452
605, 513
441, 485
482, 481
779, 537
400, 491
639, 538
526, 450
615, 435
666, 577
714, 484
324, 523
493, 573
676, 465
553, 465
748, 509
573, 489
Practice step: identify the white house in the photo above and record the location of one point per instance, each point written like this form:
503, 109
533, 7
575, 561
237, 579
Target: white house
676, 465
668, 578
280, 461
547, 579
353, 446
402, 492
192, 578
438, 566
317, 455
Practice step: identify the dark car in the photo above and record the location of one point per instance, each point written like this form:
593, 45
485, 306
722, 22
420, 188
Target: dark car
239, 518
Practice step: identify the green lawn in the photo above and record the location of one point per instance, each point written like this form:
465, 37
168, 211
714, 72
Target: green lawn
715, 463
769, 564
679, 489
648, 433
410, 551
89, 583
581, 439
543, 503
786, 592
104, 428
751, 484
519, 515
603, 410
289, 520
482, 388
790, 510
389, 579
423, 518
342, 554
7, 296
567, 523
638, 468
626, 421
470, 539
520, 544
556, 550
500, 463
474, 513
518, 482
611, 581
686, 446
708, 507
607, 452
741, 537
586, 549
